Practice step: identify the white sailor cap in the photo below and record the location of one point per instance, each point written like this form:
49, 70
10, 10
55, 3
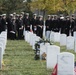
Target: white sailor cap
14, 13
48, 15
11, 14
27, 14
17, 14
61, 17
41, 16
35, 14
22, 12
3, 14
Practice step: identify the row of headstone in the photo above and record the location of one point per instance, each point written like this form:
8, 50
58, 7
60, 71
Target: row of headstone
31, 38
64, 61
69, 42
3, 41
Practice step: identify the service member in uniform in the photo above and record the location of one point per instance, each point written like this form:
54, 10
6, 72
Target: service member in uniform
20, 27
72, 24
40, 24
9, 25
34, 23
3, 22
48, 30
27, 22
62, 23
52, 23
56, 24
13, 28
67, 25
0, 22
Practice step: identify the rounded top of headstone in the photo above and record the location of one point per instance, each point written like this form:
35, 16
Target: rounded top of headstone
66, 53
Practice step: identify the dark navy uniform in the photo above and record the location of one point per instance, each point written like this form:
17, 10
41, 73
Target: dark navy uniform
3, 24
48, 28
40, 24
9, 25
34, 24
27, 22
67, 26
13, 29
47, 23
0, 23
62, 23
20, 28
72, 26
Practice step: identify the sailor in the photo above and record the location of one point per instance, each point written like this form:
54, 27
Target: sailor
34, 23
48, 24
40, 24
67, 25
20, 27
27, 22
3, 22
72, 24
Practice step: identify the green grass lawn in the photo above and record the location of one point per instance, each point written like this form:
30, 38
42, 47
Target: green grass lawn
19, 60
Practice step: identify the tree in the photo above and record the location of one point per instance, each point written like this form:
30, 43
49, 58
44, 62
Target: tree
53, 6
10, 6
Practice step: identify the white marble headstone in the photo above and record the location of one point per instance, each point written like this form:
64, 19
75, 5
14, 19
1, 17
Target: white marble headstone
48, 35
1, 45
43, 49
75, 46
35, 41
75, 35
63, 39
70, 43
2, 41
65, 63
3, 37
0, 58
52, 52
52, 36
26, 35
56, 37
32, 39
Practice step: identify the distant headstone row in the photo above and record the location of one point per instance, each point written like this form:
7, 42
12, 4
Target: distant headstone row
69, 42
3, 41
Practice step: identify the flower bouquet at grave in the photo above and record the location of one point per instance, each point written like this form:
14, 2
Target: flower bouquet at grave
44, 56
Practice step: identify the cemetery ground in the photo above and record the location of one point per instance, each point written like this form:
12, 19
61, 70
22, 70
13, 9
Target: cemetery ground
19, 60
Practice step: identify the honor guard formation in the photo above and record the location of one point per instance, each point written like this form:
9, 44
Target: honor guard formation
17, 23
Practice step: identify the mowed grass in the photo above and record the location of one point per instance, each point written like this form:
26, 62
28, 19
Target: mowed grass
19, 60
